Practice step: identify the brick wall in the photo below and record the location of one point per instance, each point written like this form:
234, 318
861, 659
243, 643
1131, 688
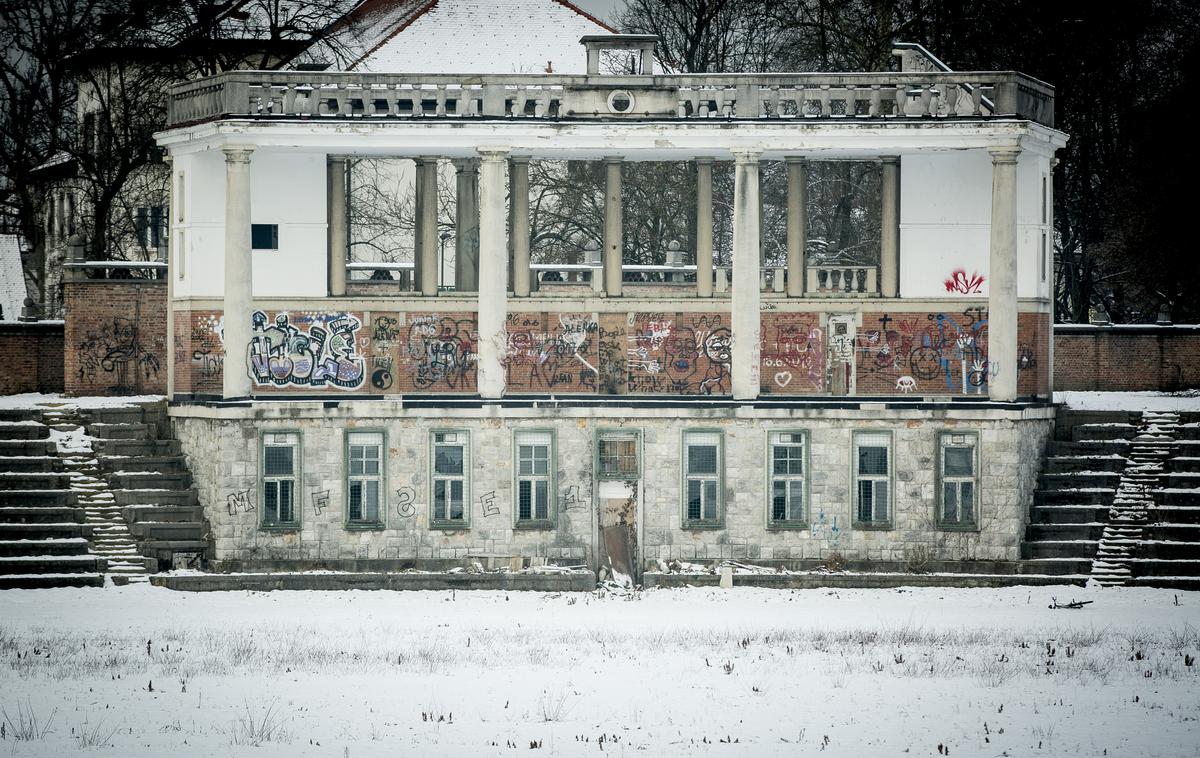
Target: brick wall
115, 337
1126, 357
33, 357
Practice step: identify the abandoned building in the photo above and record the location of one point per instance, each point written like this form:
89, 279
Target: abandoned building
474, 402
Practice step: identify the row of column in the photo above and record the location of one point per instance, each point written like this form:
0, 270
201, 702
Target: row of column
489, 238
427, 250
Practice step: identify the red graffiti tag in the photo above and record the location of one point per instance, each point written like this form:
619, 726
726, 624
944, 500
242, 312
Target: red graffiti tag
962, 284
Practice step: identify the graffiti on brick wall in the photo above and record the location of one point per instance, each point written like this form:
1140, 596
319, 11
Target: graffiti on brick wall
933, 352
551, 352
208, 353
440, 352
314, 350
115, 354
793, 353
677, 354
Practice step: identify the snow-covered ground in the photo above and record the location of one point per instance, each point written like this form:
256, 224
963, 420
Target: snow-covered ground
1130, 401
47, 401
994, 672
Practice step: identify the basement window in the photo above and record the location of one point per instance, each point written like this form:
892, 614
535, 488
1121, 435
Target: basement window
264, 236
451, 486
280, 476
788, 485
535, 479
958, 489
873, 480
704, 479
618, 456
364, 479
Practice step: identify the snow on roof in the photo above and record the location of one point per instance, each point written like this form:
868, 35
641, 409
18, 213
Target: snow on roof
12, 278
474, 36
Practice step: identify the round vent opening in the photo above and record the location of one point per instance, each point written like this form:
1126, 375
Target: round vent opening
621, 101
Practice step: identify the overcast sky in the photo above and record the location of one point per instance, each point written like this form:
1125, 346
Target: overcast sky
604, 9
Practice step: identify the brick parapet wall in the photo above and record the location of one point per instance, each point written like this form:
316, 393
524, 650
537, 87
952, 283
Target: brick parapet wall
33, 356
115, 337
1126, 357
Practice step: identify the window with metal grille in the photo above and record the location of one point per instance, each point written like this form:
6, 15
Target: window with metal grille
535, 475
280, 474
958, 475
704, 475
618, 456
364, 478
872, 478
451, 467
787, 478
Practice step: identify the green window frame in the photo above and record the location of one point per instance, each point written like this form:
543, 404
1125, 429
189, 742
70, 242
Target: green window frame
874, 496
280, 458
958, 480
618, 454
702, 466
535, 501
787, 479
366, 478
449, 478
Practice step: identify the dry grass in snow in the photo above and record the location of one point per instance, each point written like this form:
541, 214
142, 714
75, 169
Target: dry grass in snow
145, 671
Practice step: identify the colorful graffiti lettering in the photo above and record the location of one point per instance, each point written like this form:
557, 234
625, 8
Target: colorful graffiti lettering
280, 354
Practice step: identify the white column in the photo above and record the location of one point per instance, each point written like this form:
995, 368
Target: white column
889, 233
1002, 289
518, 180
797, 224
235, 381
466, 226
427, 233
493, 289
744, 318
337, 227
614, 245
704, 227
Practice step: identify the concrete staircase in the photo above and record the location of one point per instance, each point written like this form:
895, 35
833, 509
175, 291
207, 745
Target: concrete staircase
43, 534
152, 497
1076, 491
1168, 554
1118, 501
1140, 480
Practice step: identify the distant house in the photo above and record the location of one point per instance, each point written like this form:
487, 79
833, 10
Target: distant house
484, 36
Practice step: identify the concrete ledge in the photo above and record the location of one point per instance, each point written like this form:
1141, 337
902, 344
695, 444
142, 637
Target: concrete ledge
583, 581
868, 581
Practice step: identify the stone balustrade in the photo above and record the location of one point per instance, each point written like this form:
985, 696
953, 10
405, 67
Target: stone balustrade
303, 94
842, 281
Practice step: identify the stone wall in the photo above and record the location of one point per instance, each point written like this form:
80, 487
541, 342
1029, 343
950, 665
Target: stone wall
33, 356
1126, 357
115, 337
222, 445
